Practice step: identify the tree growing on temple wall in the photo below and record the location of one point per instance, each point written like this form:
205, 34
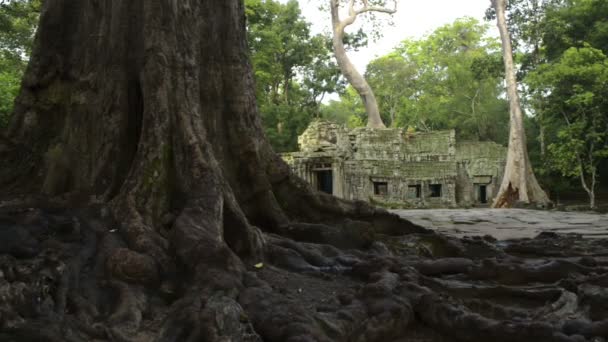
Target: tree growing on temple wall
450, 79
355, 9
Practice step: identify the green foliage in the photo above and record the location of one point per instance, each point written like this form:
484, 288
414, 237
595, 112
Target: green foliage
283, 123
574, 23
355, 41
348, 111
560, 45
526, 21
10, 79
575, 93
458, 83
393, 79
449, 79
542, 30
18, 21
293, 69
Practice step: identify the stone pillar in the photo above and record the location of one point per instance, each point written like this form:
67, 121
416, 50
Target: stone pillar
338, 179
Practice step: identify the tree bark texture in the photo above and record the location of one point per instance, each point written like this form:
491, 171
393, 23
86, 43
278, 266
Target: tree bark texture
519, 183
141, 202
348, 69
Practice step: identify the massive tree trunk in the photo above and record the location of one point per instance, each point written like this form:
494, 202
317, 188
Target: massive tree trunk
519, 183
346, 66
141, 202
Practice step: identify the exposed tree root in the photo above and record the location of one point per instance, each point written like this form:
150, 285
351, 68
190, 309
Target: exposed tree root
80, 282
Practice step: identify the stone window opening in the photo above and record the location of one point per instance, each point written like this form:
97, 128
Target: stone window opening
413, 191
380, 188
435, 190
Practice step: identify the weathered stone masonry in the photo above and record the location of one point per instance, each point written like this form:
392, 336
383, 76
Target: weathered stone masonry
393, 166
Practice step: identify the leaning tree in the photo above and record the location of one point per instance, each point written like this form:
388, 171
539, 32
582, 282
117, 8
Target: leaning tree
519, 182
141, 202
339, 25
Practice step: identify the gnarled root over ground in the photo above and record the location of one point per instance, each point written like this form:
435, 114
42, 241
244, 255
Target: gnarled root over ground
70, 276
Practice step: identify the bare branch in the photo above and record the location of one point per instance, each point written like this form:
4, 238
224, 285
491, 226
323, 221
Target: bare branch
367, 8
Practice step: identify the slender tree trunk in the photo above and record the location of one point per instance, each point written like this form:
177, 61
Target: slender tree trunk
348, 69
519, 183
286, 85
474, 114
541, 124
593, 184
589, 188
543, 147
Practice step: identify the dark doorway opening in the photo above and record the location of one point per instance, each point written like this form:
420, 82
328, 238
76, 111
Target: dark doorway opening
380, 188
483, 194
325, 181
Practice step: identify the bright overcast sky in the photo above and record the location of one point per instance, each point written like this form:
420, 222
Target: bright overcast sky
414, 18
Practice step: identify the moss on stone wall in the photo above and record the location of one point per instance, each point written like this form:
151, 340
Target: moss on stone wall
362, 156
470, 150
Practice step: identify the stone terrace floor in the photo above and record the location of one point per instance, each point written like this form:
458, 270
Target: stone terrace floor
505, 224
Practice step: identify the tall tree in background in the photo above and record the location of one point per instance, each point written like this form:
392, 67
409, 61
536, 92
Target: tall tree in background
349, 71
348, 110
394, 81
293, 69
576, 92
569, 89
527, 26
450, 79
574, 23
519, 182
457, 83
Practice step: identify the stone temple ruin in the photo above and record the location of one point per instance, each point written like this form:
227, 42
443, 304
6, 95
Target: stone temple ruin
395, 167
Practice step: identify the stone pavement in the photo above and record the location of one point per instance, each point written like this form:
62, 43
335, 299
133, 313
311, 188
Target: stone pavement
508, 223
